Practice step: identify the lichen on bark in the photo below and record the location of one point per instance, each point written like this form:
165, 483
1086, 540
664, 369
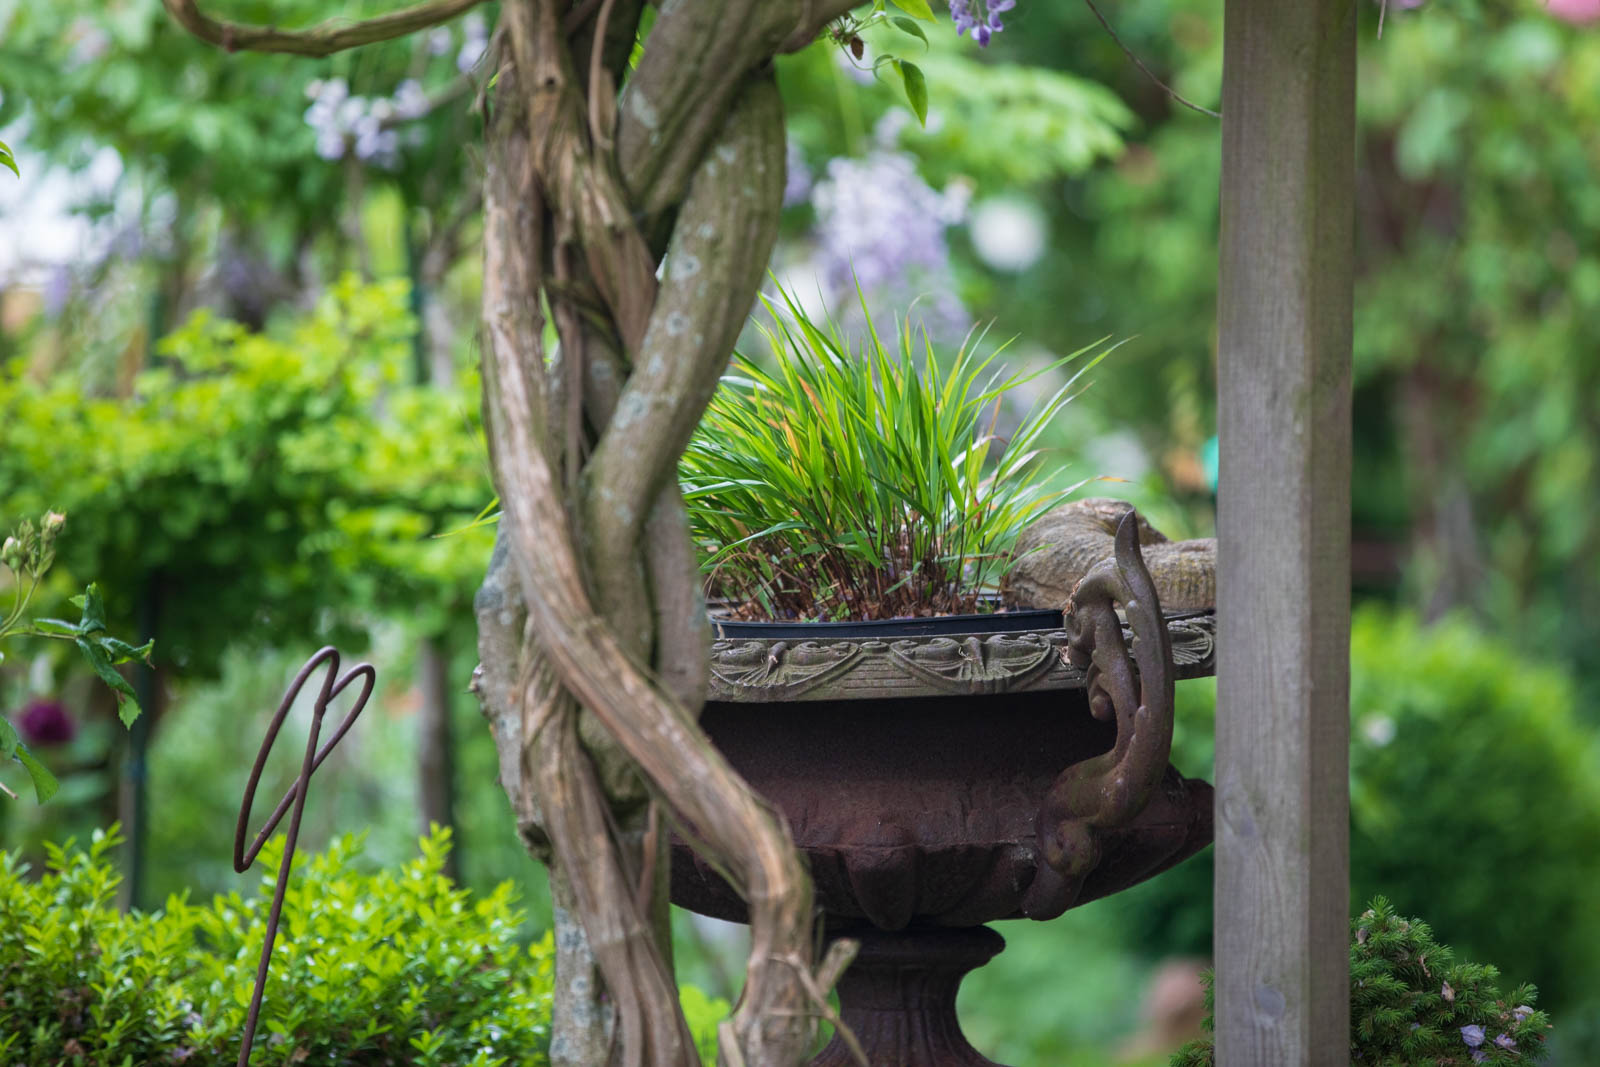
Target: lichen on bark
592, 627
585, 442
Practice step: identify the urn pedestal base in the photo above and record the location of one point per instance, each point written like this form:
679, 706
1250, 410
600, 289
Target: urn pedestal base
899, 997
938, 774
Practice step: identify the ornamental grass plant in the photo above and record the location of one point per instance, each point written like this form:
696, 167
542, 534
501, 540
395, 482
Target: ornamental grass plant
859, 479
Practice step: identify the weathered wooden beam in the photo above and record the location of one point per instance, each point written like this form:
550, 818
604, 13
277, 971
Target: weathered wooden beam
1283, 524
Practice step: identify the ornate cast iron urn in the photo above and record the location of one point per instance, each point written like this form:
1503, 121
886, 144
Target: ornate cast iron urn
942, 773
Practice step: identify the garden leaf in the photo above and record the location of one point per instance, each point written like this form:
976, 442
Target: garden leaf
44, 783
122, 652
905, 25
8, 739
127, 703
917, 9
94, 610
916, 89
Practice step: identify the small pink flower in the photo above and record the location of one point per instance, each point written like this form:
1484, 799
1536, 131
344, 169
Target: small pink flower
1574, 11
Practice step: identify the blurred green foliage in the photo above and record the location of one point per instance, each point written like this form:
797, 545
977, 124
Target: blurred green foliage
1063, 992
201, 758
369, 968
259, 486
996, 124
222, 130
1477, 300
1475, 800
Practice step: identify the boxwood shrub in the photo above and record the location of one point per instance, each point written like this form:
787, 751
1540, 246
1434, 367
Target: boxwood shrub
393, 967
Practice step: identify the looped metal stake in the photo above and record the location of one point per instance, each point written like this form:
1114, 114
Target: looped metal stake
333, 684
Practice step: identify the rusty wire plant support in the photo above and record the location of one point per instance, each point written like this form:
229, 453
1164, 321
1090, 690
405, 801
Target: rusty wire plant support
333, 683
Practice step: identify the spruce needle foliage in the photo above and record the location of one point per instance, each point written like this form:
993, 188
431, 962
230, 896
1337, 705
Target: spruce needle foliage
865, 480
1411, 1003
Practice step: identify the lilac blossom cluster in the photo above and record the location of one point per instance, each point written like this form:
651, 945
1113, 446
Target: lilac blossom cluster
880, 226
982, 17
363, 125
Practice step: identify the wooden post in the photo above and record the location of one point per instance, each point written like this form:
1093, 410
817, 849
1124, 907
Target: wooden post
1283, 525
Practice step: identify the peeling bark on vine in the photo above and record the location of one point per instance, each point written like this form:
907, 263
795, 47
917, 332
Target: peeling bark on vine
616, 623
592, 631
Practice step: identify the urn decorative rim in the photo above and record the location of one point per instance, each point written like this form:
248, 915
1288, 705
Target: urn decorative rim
952, 655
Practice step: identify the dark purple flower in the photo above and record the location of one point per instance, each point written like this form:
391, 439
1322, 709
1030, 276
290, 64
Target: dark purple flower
46, 722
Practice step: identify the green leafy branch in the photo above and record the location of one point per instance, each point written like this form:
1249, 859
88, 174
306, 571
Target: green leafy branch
847, 30
102, 650
28, 553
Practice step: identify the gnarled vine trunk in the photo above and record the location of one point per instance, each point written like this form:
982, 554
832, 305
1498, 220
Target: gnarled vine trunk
637, 208
645, 222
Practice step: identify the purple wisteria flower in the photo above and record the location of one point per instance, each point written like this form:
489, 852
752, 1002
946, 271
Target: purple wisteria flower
58, 287
797, 178
46, 722
475, 29
363, 125
881, 227
982, 17
877, 220
1521, 1013
1504, 1041
1472, 1035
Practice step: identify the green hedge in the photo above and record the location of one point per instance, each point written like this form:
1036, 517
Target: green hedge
393, 967
1475, 800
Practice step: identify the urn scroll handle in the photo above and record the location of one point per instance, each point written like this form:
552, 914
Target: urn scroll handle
1135, 691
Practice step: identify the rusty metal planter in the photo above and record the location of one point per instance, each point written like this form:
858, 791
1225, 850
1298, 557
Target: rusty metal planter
941, 774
